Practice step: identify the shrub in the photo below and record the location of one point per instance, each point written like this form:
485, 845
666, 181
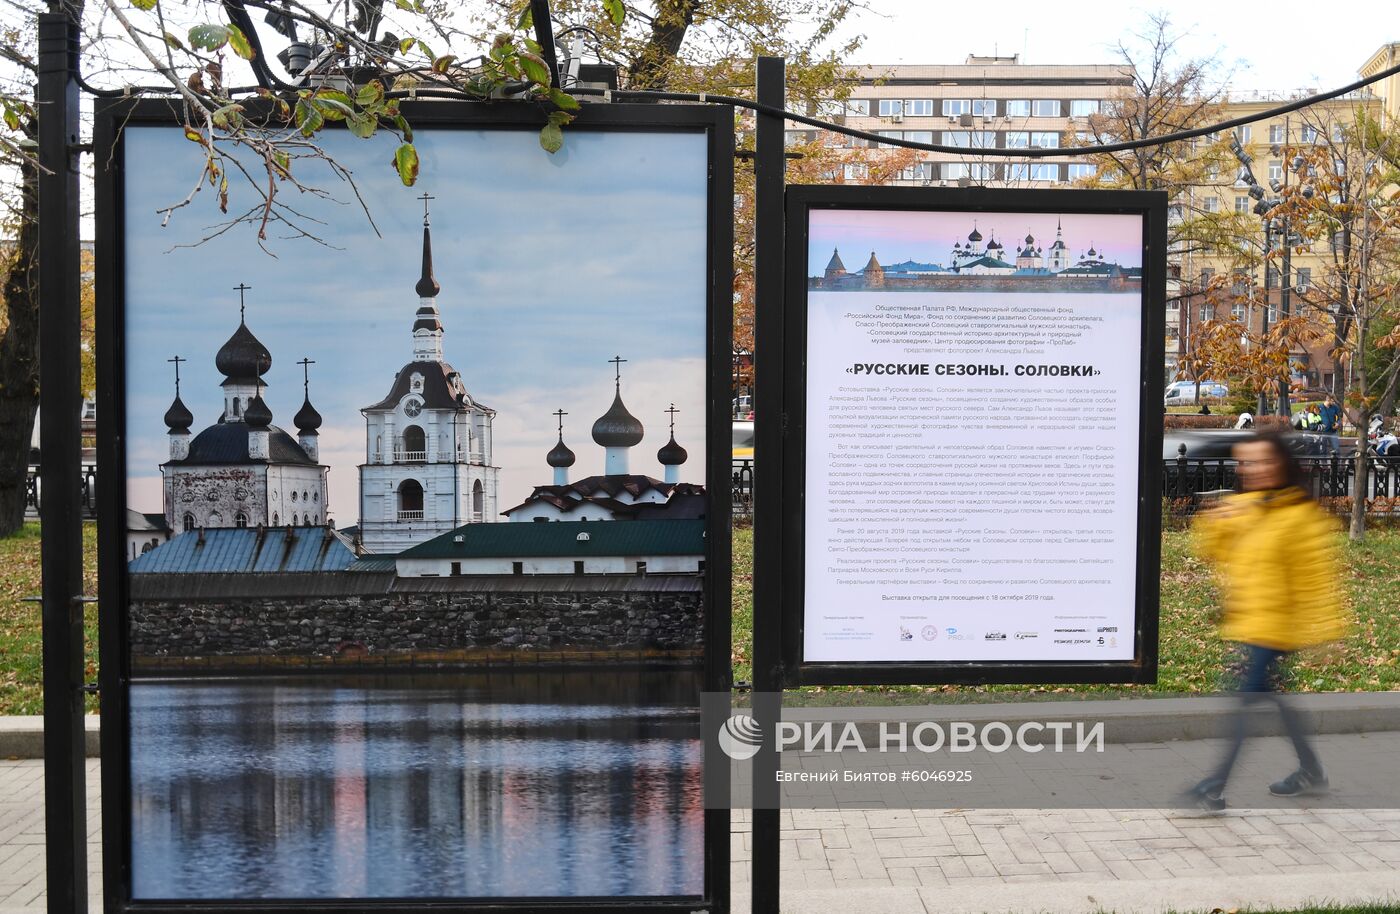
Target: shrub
1177, 420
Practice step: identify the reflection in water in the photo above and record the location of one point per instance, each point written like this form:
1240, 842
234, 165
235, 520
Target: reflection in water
550, 784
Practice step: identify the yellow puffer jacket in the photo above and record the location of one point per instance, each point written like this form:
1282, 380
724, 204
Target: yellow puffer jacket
1275, 552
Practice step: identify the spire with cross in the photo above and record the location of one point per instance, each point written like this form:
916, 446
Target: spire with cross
177, 360
427, 283
560, 414
672, 455
306, 364
242, 305
672, 411
617, 361
560, 457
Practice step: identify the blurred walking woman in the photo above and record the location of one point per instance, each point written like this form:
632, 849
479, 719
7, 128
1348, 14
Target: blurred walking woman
1274, 551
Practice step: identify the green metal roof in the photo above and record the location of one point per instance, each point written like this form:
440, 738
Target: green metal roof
582, 539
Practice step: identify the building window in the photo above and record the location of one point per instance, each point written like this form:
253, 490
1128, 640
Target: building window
952, 171
1271, 277
982, 171
955, 106
1243, 133
578, 567
1241, 204
1237, 311
641, 568
923, 171
1018, 172
919, 107
1018, 107
892, 134
1276, 133
276, 520
1339, 133
456, 569
1304, 277
1211, 204
1083, 107
1206, 275
410, 500
295, 519
519, 567
1043, 171
1308, 135
858, 106
235, 406
1045, 139
889, 107
985, 107
1046, 107
294, 496
1207, 312
240, 519
1275, 169
1017, 139
984, 139
188, 522
960, 138
855, 171
478, 500
1079, 171
415, 445
919, 136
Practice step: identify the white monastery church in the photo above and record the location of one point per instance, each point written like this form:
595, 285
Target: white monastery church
427, 466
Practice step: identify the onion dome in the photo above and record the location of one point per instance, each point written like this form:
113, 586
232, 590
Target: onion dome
257, 415
307, 419
427, 285
671, 454
560, 455
974, 235
617, 427
178, 417
1093, 253
993, 244
243, 358
1030, 240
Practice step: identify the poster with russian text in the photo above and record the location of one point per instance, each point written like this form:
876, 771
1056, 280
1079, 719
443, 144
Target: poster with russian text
972, 428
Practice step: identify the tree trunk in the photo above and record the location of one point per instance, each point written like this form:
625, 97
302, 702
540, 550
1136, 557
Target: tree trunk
1358, 499
652, 65
19, 356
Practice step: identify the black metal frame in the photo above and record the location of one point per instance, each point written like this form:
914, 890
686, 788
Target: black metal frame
790, 405
111, 117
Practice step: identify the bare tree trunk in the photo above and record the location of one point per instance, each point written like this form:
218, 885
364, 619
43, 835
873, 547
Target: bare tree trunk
19, 356
1363, 462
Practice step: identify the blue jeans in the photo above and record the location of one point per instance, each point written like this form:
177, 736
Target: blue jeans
1260, 683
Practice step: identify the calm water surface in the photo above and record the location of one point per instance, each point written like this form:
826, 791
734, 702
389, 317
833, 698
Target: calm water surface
555, 784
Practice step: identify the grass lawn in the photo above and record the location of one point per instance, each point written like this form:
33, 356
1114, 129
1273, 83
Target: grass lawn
1192, 659
21, 629
1324, 909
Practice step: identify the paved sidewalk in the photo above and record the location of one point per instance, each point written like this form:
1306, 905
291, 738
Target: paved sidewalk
874, 861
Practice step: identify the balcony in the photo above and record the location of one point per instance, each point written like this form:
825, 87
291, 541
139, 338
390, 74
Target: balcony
411, 515
401, 456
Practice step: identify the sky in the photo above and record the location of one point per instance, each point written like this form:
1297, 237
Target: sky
548, 267
928, 237
1258, 46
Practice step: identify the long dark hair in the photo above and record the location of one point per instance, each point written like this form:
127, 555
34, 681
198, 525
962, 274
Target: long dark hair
1294, 476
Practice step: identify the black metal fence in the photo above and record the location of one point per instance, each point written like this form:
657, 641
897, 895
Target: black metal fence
741, 488
89, 491
1330, 480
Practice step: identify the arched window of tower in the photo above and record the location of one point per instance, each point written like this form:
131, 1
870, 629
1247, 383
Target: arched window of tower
410, 500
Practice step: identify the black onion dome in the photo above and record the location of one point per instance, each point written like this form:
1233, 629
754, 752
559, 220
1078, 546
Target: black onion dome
671, 454
975, 236
257, 415
560, 455
617, 427
427, 285
1030, 239
178, 417
307, 419
243, 358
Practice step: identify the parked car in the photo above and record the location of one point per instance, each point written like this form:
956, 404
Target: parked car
1183, 393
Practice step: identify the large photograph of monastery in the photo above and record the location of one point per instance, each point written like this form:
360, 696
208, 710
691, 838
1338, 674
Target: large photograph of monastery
416, 523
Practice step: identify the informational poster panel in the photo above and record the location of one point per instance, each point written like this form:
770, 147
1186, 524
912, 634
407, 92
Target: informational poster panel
415, 567
971, 387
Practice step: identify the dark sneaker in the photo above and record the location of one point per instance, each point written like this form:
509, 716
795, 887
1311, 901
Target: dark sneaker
1207, 796
1300, 784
